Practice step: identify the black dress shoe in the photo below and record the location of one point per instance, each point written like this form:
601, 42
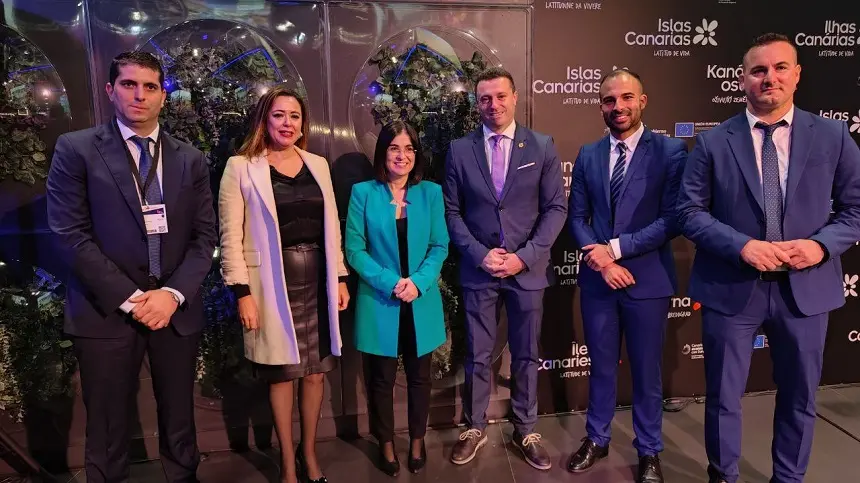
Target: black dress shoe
417, 464
650, 470
587, 455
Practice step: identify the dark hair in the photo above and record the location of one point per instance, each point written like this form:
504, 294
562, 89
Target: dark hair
138, 58
618, 73
767, 39
257, 139
380, 156
494, 73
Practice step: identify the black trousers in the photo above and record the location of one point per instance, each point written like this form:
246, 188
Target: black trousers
110, 371
381, 372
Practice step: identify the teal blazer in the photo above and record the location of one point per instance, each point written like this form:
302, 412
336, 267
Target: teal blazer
373, 252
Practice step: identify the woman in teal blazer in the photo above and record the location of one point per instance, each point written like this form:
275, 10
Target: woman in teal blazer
396, 240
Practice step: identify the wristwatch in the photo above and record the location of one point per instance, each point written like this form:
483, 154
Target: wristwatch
175, 297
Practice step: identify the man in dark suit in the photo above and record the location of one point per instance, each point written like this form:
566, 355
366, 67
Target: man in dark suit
756, 199
622, 213
132, 211
505, 206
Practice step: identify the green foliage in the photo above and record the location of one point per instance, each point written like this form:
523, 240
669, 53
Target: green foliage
36, 360
221, 357
208, 107
430, 93
435, 97
22, 152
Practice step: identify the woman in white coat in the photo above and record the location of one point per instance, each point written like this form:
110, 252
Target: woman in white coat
281, 255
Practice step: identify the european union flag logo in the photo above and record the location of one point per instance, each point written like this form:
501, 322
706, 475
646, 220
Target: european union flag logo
684, 129
759, 342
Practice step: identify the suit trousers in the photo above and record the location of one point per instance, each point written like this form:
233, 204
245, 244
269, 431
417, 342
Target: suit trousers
524, 310
110, 372
381, 373
606, 319
797, 349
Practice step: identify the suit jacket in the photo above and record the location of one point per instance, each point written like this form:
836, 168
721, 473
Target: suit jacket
645, 219
251, 254
372, 249
531, 209
95, 214
721, 208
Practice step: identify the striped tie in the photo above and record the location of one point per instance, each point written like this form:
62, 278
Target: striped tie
152, 196
617, 178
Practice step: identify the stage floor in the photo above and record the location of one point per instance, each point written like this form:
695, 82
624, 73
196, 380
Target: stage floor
834, 455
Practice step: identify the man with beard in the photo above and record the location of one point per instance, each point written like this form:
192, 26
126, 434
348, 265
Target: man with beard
622, 214
132, 211
771, 198
504, 203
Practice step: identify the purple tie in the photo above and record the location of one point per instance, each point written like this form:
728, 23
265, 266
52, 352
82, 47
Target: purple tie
498, 164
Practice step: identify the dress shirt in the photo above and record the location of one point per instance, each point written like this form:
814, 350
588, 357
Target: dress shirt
631, 143
507, 142
127, 134
781, 139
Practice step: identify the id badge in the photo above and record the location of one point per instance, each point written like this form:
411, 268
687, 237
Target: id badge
155, 219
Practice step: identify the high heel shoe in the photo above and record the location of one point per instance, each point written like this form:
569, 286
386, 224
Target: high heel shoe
417, 464
302, 468
390, 468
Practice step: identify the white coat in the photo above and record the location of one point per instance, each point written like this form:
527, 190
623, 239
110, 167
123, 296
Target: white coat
251, 254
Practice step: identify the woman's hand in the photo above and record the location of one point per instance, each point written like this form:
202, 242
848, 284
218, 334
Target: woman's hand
406, 290
248, 313
342, 296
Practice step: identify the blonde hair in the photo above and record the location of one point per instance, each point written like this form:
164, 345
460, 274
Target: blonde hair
257, 141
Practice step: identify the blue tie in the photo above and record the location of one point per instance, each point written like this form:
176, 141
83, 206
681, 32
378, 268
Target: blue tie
770, 182
152, 196
617, 178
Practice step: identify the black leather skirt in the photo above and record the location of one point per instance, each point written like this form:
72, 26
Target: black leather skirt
304, 271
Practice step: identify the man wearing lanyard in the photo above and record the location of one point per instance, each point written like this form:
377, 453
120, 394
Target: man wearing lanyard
132, 213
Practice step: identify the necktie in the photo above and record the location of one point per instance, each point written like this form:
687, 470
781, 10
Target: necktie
617, 178
770, 183
498, 160
498, 164
152, 196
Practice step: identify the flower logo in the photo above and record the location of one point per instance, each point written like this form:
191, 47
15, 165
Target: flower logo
705, 33
856, 126
849, 284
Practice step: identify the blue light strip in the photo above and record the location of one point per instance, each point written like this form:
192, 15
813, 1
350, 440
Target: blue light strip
237, 59
28, 69
167, 58
425, 48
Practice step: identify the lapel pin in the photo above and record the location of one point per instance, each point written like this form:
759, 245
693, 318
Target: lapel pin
521, 144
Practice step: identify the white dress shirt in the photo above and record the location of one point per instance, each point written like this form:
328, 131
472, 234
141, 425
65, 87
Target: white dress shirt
782, 141
631, 143
507, 142
127, 134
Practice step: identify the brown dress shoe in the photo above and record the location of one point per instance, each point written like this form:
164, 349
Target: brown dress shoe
470, 442
532, 450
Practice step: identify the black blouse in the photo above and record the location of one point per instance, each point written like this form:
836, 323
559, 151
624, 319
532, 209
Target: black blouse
299, 203
403, 247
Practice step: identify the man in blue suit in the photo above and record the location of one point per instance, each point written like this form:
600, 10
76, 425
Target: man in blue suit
622, 212
756, 199
505, 206
132, 212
